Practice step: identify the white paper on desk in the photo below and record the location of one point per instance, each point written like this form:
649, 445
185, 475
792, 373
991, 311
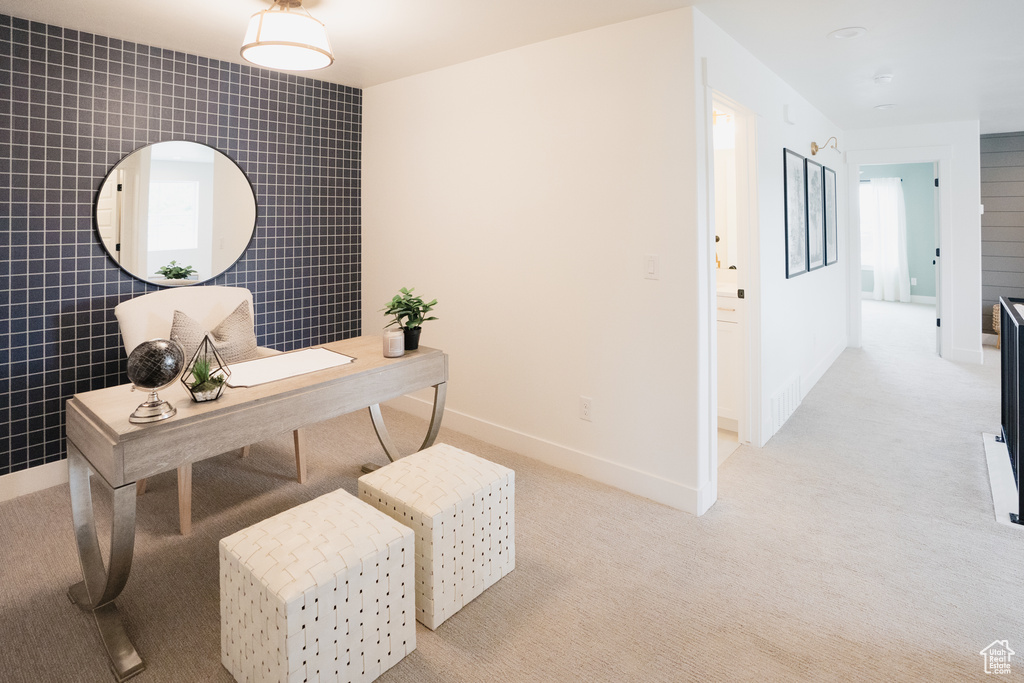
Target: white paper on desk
262, 370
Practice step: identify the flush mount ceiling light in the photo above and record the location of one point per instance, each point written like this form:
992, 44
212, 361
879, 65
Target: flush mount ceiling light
885, 106
883, 79
848, 32
279, 38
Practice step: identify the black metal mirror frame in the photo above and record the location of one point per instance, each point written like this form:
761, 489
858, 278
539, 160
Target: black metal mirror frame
170, 283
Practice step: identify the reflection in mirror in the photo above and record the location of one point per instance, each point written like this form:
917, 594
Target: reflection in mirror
179, 202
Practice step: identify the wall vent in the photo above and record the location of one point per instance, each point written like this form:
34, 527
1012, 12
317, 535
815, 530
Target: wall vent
784, 403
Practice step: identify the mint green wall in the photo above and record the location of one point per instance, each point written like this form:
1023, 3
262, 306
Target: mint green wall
919, 197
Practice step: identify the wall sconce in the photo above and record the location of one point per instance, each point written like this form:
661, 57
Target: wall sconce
281, 39
815, 147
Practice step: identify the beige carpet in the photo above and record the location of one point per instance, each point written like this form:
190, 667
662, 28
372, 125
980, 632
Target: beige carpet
859, 545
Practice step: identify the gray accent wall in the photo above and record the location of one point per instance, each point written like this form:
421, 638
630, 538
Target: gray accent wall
72, 105
1002, 224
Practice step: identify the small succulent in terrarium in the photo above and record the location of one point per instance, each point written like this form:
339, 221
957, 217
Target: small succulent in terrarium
202, 381
206, 373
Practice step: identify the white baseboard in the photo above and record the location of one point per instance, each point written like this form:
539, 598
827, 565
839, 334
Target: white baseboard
960, 355
989, 339
1000, 473
728, 424
821, 368
33, 479
914, 298
628, 479
706, 497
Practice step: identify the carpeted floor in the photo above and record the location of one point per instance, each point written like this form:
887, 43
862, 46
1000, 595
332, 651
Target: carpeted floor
858, 545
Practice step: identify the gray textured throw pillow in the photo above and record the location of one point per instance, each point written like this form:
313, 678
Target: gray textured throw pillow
234, 337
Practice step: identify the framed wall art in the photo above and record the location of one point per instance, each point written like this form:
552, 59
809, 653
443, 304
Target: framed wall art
815, 215
831, 218
795, 190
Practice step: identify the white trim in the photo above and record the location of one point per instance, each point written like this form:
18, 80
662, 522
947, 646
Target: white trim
821, 368
729, 424
943, 154
706, 324
914, 298
749, 419
634, 481
33, 479
1000, 479
961, 355
989, 339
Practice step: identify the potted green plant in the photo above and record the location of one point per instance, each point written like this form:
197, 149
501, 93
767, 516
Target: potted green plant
410, 312
203, 385
173, 271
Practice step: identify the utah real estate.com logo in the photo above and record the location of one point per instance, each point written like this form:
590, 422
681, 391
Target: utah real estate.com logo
997, 657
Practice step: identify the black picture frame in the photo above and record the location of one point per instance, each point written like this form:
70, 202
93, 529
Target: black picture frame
795, 193
815, 178
831, 218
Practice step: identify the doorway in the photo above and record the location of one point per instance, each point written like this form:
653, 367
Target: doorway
898, 240
734, 185
940, 157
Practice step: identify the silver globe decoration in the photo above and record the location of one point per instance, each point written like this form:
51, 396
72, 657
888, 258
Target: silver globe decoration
154, 365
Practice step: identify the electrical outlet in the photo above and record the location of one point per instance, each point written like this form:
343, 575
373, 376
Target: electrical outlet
913, 281
586, 408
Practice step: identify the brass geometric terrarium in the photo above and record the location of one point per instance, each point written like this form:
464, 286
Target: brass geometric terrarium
206, 374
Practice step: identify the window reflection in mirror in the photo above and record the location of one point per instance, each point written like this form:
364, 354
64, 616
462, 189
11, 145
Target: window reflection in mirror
175, 201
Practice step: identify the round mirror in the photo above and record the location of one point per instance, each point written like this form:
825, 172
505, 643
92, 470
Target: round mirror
175, 213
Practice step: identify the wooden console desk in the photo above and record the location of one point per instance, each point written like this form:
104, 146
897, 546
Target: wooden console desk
102, 442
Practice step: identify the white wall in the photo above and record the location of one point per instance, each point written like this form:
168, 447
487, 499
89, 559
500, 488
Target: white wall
523, 191
957, 148
802, 320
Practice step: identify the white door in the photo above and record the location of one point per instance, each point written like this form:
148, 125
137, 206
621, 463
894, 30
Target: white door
734, 211
938, 267
108, 216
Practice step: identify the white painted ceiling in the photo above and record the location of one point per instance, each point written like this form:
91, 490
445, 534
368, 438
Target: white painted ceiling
950, 59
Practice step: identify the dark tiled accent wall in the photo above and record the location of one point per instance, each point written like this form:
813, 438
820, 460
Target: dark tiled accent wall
71, 106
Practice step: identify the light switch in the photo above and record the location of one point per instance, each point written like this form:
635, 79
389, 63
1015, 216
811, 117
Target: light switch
651, 269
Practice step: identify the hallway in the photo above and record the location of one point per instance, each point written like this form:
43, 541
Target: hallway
876, 493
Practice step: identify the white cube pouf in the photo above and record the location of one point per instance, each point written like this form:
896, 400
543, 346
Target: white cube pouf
321, 592
462, 509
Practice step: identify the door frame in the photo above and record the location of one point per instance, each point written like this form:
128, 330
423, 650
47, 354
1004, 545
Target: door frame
748, 265
942, 157
707, 316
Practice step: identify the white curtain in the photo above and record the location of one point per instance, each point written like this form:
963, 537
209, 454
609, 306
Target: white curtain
884, 214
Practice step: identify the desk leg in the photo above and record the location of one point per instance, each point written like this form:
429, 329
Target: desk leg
102, 585
440, 391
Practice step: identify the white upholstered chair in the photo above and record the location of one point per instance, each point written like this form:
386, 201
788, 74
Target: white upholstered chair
150, 316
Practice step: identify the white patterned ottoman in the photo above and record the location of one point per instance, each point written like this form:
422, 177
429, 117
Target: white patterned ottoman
462, 509
321, 592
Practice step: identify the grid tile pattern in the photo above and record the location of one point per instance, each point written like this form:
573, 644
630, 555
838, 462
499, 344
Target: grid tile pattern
73, 104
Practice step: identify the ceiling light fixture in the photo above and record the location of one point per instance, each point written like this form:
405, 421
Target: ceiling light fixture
279, 38
883, 79
885, 106
815, 148
848, 32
